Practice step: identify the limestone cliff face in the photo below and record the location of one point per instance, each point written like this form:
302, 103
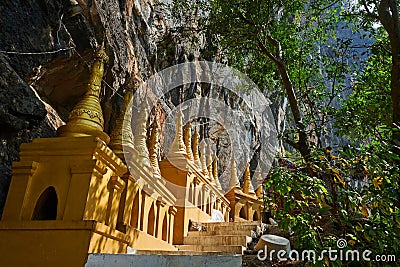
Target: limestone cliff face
46, 49
45, 56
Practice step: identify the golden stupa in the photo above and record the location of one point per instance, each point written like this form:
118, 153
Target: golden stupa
86, 118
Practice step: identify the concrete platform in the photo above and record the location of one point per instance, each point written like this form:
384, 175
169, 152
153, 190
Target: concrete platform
128, 260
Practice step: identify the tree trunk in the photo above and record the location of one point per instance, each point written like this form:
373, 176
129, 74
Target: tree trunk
302, 145
389, 17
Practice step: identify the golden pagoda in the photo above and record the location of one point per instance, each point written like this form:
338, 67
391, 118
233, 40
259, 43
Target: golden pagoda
244, 204
259, 191
247, 184
122, 133
153, 150
196, 157
215, 170
64, 196
210, 164
188, 140
86, 118
203, 158
234, 182
141, 134
72, 195
177, 148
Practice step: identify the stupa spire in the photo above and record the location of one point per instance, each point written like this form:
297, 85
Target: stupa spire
247, 185
188, 140
177, 148
153, 149
259, 191
141, 134
209, 163
196, 157
260, 183
122, 134
86, 118
203, 157
215, 174
234, 179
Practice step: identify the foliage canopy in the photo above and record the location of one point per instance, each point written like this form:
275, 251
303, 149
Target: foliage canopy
337, 64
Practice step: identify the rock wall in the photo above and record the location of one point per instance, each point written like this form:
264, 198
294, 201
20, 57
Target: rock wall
45, 50
45, 57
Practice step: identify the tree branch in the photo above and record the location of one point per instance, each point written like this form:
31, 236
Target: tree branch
265, 50
385, 17
292, 143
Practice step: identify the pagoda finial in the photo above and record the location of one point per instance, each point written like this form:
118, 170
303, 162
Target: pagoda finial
209, 163
188, 140
251, 188
259, 191
122, 134
141, 134
247, 185
260, 183
215, 174
86, 118
234, 179
177, 148
196, 157
203, 157
153, 149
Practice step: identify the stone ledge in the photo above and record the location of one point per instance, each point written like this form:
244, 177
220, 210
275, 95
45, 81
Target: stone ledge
121, 260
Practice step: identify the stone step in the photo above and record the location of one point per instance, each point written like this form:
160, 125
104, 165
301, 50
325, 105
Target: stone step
220, 232
224, 248
230, 228
255, 223
187, 252
241, 240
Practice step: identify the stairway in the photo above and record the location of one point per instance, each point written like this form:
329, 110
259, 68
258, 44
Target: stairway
231, 237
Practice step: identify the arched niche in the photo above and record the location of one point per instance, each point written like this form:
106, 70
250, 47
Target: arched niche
199, 201
164, 228
256, 216
190, 198
151, 220
135, 211
46, 205
242, 213
208, 211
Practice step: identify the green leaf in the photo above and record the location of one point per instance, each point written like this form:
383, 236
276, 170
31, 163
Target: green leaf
324, 210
